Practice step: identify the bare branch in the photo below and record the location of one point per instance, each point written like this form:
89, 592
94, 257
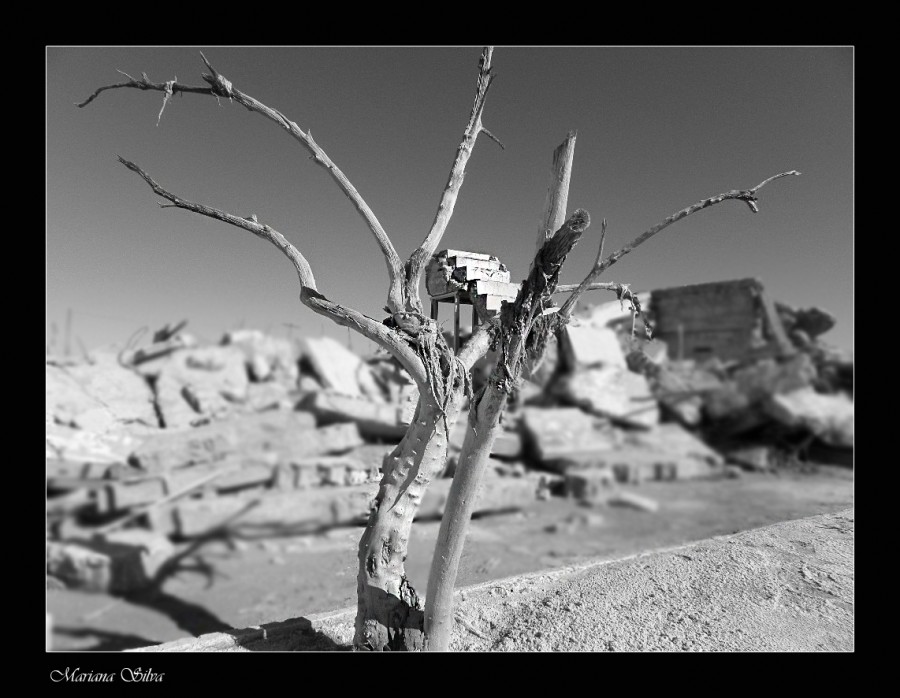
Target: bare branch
557, 191
263, 231
766, 181
219, 86
145, 84
598, 286
748, 196
379, 333
493, 138
479, 343
566, 311
420, 257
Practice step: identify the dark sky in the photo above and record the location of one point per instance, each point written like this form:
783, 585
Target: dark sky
658, 129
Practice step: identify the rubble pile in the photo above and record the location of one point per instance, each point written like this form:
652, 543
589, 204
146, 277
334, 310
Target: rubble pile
259, 435
254, 436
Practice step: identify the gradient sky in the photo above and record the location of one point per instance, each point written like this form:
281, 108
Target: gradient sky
658, 129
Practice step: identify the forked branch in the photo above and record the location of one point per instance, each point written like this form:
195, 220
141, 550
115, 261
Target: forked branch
219, 86
420, 257
748, 196
379, 333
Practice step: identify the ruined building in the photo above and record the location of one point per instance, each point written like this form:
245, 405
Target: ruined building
732, 320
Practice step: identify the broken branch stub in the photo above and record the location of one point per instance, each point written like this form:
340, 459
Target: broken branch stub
515, 332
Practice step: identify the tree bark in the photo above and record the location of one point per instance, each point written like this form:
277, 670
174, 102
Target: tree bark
389, 611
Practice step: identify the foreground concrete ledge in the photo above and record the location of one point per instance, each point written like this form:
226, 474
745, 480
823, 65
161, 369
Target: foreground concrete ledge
785, 587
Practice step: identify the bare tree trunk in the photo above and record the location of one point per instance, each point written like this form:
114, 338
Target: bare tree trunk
470, 470
389, 615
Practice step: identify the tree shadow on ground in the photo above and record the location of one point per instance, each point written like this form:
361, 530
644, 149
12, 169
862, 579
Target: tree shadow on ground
106, 641
294, 635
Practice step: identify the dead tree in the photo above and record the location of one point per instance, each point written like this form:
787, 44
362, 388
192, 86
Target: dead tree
390, 614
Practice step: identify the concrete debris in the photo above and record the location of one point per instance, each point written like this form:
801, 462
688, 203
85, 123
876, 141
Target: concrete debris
267, 358
329, 471
830, 417
199, 384
69, 404
551, 434
674, 440
122, 391
636, 464
272, 395
757, 458
574, 522
274, 437
584, 346
589, 484
82, 446
613, 392
613, 313
121, 496
376, 420
752, 385
115, 562
812, 322
340, 369
307, 510
633, 500
148, 360
294, 439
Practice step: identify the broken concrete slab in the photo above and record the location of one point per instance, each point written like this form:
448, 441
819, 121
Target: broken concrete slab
612, 392
679, 389
551, 433
624, 498
751, 385
585, 346
274, 436
340, 369
376, 420
329, 471
114, 562
830, 417
507, 445
120, 496
69, 404
758, 458
271, 395
306, 510
267, 358
199, 384
124, 392
589, 484
80, 446
674, 440
634, 462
